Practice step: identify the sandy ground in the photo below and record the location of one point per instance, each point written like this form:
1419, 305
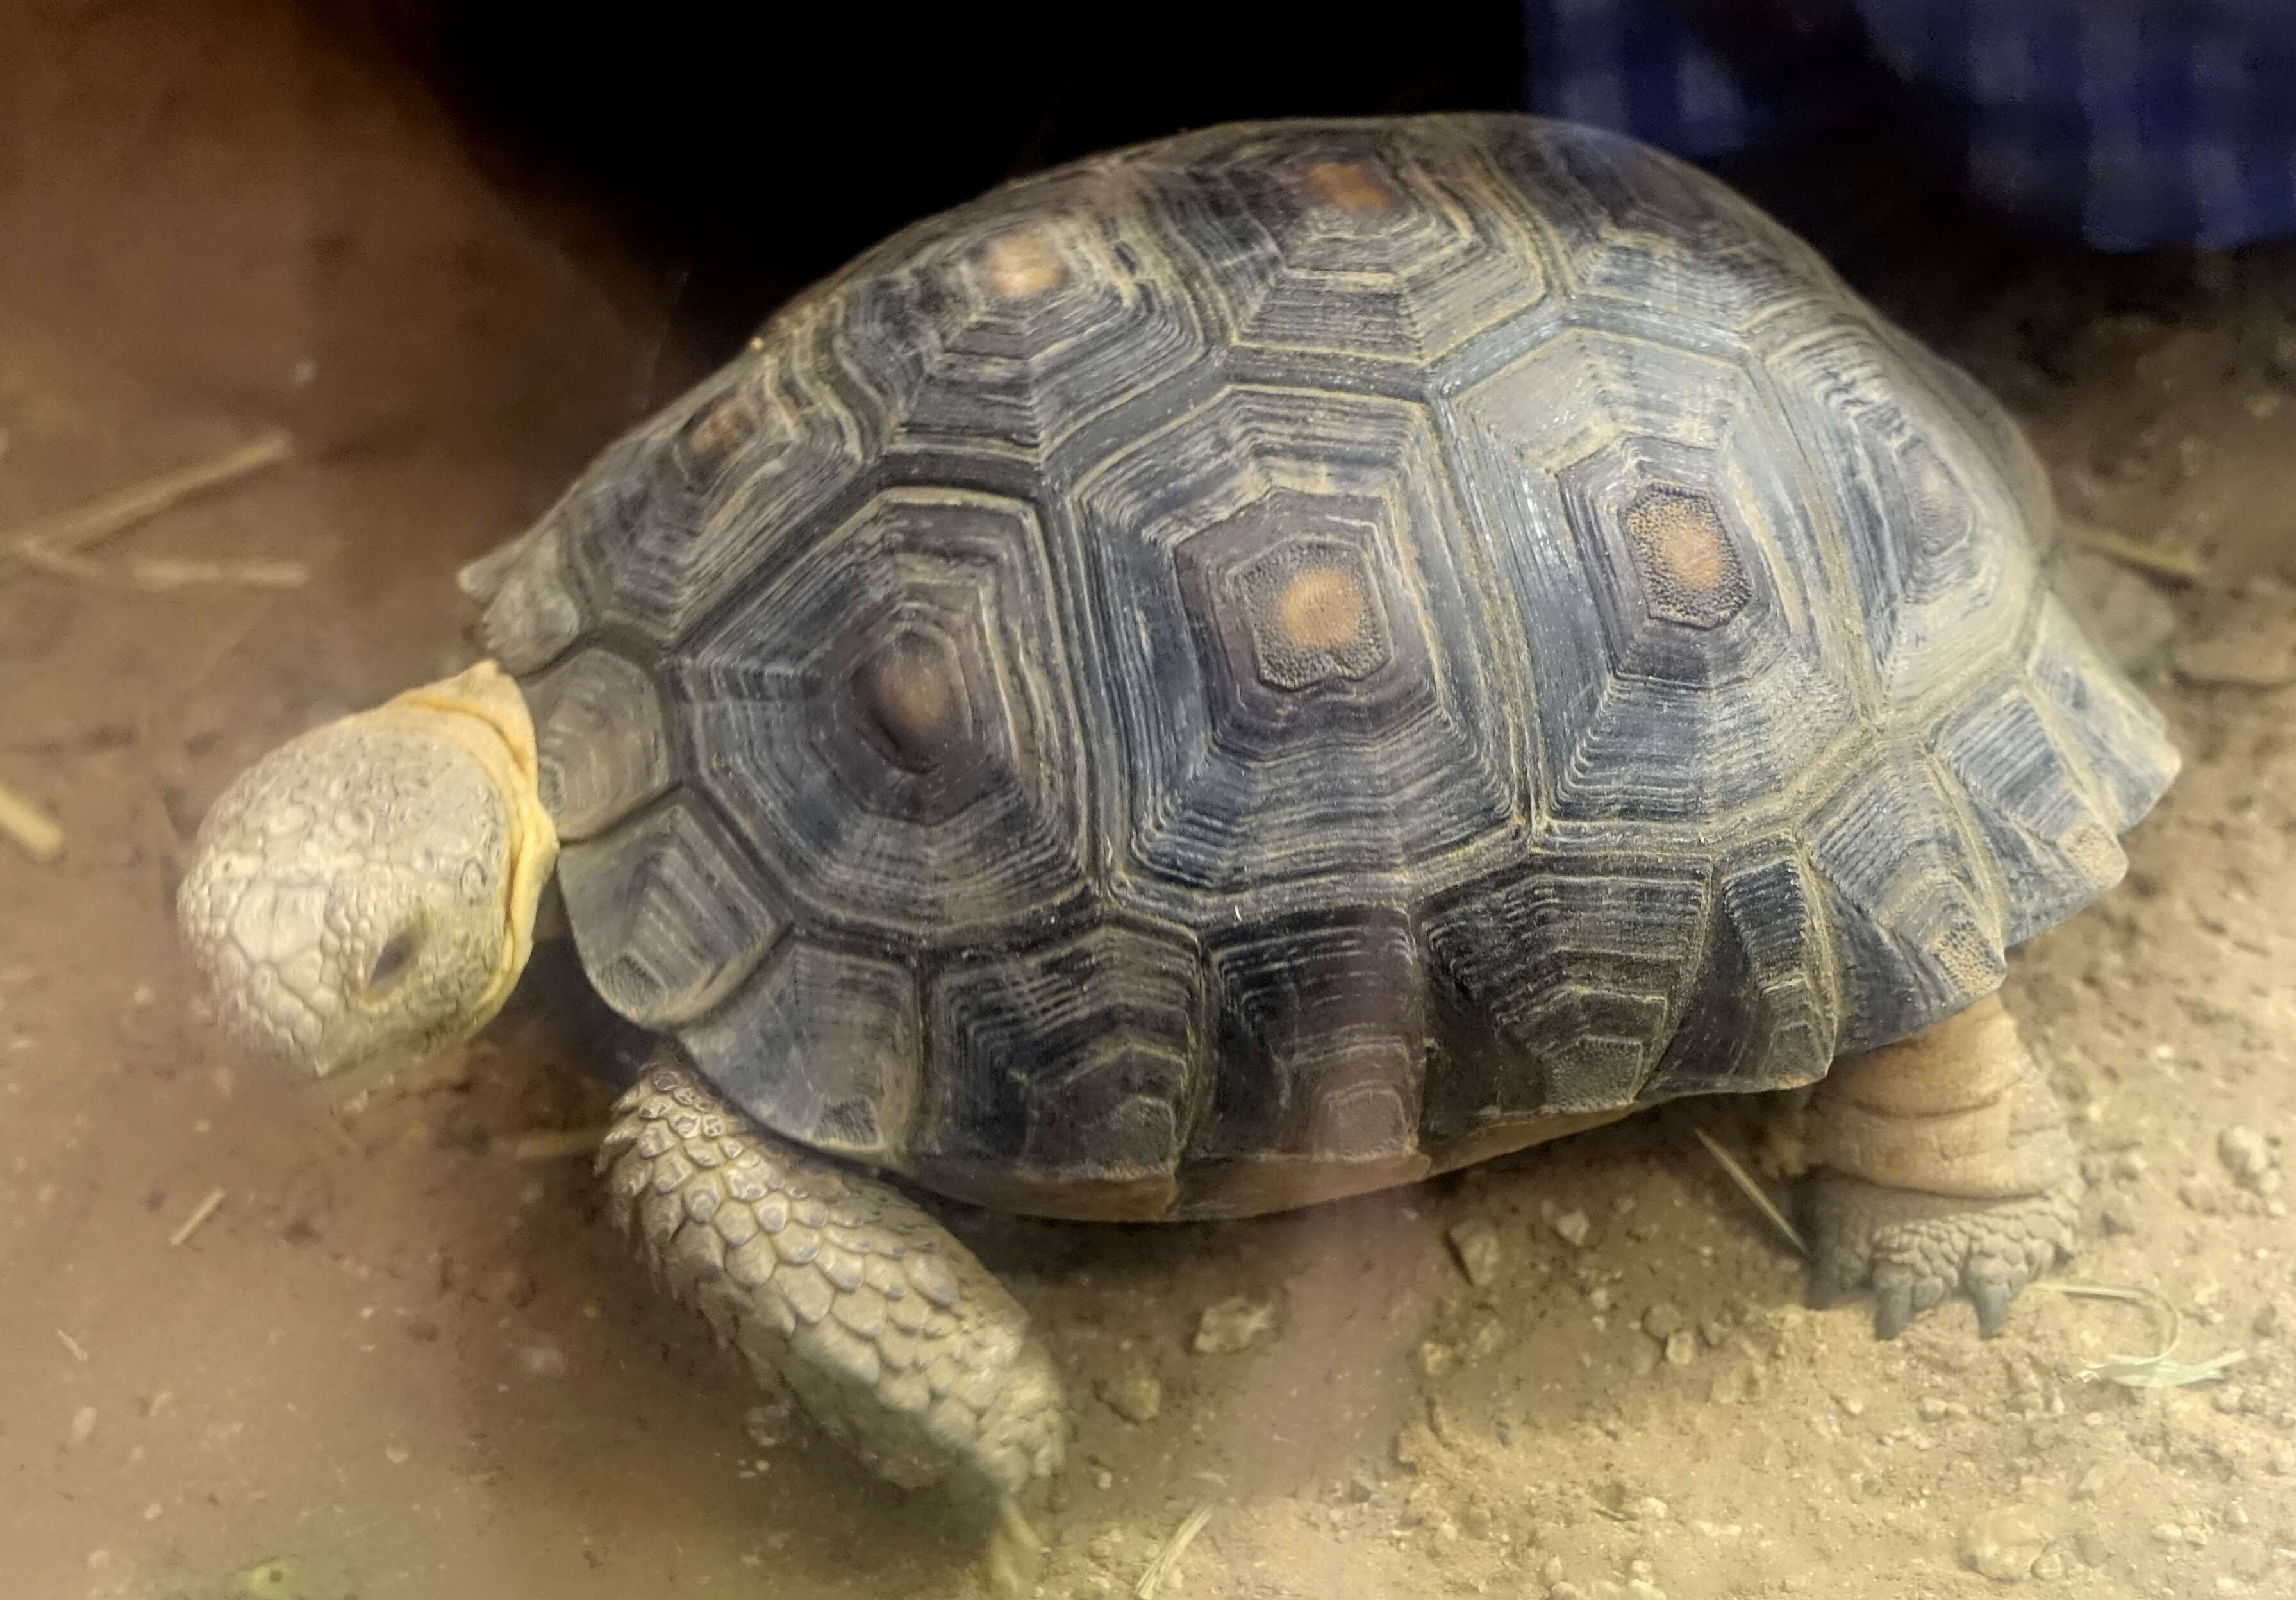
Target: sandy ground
398, 1359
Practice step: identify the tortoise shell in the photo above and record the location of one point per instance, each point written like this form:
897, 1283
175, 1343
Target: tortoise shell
1294, 657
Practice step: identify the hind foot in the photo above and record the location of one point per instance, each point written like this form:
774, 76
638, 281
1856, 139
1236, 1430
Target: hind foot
1943, 1165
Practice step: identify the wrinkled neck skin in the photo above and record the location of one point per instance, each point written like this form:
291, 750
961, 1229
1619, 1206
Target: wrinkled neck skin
365, 897
481, 713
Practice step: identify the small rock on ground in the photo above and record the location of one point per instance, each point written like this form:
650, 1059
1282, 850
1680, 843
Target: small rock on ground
770, 1425
1136, 1397
2245, 1155
1477, 1243
1234, 1325
2003, 1543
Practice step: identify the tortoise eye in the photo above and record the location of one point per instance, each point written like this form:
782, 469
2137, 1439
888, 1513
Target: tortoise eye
391, 961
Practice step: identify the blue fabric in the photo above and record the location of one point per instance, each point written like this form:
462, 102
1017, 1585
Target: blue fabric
2126, 123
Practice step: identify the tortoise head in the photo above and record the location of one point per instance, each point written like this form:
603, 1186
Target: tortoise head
366, 892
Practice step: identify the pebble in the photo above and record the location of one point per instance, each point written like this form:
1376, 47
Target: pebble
2245, 1155
1136, 1397
1572, 1225
1662, 1321
1565, 1591
2205, 1196
542, 1360
1477, 1244
2003, 1543
83, 1424
1234, 1325
2117, 1217
770, 1425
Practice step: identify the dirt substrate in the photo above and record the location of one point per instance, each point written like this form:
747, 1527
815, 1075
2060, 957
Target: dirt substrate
403, 1358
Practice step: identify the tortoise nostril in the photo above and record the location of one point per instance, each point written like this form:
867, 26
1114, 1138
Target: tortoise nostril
392, 960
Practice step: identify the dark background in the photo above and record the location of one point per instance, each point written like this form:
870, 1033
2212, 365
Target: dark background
752, 151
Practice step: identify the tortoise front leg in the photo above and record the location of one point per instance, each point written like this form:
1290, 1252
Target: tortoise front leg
1943, 1163
889, 1332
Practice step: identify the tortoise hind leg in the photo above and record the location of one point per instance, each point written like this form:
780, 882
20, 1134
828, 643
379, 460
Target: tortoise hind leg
1943, 1164
887, 1330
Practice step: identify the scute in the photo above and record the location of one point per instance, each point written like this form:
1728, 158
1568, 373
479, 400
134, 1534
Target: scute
887, 719
1002, 330
1356, 243
1645, 231
1921, 937
1582, 973
669, 917
1286, 606
1665, 571
1922, 500
1306, 655
1074, 1068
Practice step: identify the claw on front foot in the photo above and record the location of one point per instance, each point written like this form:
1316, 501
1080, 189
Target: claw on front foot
1916, 1248
1015, 1553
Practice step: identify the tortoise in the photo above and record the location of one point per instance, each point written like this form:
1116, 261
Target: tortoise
1246, 669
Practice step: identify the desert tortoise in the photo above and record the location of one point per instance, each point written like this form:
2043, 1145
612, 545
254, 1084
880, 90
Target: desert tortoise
1260, 666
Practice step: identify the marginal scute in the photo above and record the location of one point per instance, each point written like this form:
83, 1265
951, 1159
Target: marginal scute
600, 749
1581, 975
531, 612
1074, 1066
1766, 1008
667, 915
2120, 736
822, 1046
2051, 849
1327, 1036
1920, 936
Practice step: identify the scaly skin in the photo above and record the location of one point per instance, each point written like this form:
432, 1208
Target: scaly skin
366, 893
896, 1339
1944, 1164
